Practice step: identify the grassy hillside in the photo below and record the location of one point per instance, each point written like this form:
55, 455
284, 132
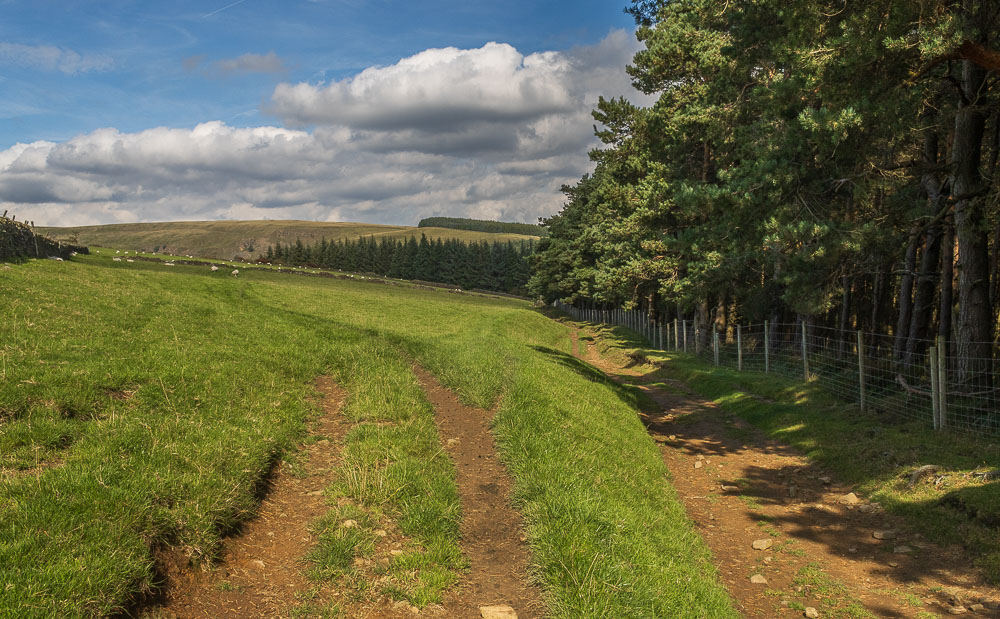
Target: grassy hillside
226, 239
141, 405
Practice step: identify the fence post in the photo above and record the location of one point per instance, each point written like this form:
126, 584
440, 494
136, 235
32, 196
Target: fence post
34, 237
935, 396
767, 347
715, 346
684, 327
861, 370
661, 337
739, 349
805, 352
677, 334
943, 382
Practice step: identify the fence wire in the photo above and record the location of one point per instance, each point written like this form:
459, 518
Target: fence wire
924, 381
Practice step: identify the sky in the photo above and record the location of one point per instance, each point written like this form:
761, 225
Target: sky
379, 111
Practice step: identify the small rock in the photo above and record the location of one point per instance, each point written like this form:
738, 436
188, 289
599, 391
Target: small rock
902, 550
811, 612
672, 437
349, 524
697, 464
893, 564
884, 534
957, 610
730, 489
761, 544
977, 608
453, 441
395, 552
699, 457
852, 550
768, 559
381, 532
258, 563
497, 611
849, 499
825, 480
866, 508
757, 579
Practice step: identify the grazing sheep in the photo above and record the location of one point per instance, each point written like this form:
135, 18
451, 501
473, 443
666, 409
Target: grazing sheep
129, 260
236, 272
169, 264
117, 259
214, 268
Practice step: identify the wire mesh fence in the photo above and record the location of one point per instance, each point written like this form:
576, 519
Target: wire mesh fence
919, 379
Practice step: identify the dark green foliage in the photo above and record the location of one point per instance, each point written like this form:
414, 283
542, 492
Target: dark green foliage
497, 267
480, 225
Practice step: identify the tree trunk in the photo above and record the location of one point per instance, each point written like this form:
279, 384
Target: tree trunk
702, 326
905, 297
975, 323
843, 324
947, 280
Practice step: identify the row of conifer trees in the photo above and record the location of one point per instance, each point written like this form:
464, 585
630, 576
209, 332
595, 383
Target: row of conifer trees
499, 267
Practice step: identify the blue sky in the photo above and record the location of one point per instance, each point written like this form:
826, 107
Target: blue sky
351, 85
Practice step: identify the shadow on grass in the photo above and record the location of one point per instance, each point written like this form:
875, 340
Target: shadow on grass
628, 394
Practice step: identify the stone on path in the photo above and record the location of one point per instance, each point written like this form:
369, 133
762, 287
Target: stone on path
849, 499
497, 611
902, 550
957, 610
761, 544
757, 579
697, 464
811, 612
884, 534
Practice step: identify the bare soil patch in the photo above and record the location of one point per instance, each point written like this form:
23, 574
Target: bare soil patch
491, 529
820, 544
260, 572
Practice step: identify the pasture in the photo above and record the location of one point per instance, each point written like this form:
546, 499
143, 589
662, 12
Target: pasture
143, 406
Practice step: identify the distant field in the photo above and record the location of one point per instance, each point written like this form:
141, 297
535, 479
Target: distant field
247, 239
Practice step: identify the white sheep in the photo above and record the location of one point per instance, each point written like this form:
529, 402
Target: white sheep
236, 272
214, 268
117, 259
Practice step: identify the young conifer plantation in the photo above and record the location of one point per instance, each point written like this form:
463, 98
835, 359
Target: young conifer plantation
498, 267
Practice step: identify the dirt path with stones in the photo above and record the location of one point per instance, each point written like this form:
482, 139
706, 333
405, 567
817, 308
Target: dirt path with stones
497, 585
261, 569
789, 539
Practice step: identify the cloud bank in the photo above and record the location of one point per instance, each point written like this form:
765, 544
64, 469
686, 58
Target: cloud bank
487, 133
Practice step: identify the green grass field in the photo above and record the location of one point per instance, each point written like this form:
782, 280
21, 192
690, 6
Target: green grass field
249, 239
142, 405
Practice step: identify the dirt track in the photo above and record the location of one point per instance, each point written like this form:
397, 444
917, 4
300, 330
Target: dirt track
739, 487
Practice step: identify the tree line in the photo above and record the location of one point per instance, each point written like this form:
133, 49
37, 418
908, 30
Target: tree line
821, 161
481, 225
498, 267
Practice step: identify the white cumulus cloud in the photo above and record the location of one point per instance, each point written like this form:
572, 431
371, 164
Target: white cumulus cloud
487, 133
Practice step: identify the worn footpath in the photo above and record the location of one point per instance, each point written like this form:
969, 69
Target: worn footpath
789, 539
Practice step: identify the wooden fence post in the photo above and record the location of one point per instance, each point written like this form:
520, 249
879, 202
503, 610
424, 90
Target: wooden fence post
739, 349
935, 397
943, 382
861, 371
767, 347
684, 327
715, 346
805, 352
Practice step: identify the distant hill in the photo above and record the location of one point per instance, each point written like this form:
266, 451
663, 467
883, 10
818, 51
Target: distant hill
482, 225
247, 239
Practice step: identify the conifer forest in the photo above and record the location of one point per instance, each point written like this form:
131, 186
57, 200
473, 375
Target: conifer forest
832, 163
